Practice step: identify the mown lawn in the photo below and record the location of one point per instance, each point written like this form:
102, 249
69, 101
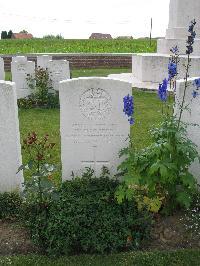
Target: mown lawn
88, 72
156, 258
76, 46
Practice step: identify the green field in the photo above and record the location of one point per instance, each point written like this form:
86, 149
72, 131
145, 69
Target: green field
76, 46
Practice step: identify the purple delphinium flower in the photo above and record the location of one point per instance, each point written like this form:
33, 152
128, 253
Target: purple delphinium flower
197, 83
172, 70
195, 94
129, 108
175, 50
162, 91
191, 37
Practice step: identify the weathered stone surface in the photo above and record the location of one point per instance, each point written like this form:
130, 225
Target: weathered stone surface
181, 12
154, 67
10, 152
58, 70
20, 68
2, 72
93, 125
190, 116
43, 60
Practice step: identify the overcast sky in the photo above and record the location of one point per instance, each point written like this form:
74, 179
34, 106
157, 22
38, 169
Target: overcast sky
79, 18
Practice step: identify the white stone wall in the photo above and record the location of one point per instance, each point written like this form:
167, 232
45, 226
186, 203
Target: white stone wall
58, 70
10, 151
191, 116
20, 67
92, 124
181, 12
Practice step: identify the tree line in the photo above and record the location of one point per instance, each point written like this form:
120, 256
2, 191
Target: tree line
6, 35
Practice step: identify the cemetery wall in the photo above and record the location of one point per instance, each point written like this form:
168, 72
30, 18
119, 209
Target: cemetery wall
78, 60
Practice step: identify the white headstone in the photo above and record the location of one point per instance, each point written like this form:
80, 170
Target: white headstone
19, 57
10, 151
190, 115
20, 68
58, 70
42, 60
93, 126
2, 72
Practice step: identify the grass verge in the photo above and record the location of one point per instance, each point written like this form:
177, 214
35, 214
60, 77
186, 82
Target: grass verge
156, 258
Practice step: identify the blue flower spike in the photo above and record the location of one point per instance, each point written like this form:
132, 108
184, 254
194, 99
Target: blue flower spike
172, 70
162, 90
129, 108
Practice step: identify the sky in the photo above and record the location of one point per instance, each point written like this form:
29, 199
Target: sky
77, 19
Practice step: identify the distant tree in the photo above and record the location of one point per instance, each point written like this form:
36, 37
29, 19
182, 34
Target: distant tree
9, 34
4, 34
23, 31
51, 36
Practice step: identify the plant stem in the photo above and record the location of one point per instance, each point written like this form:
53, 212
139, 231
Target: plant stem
185, 88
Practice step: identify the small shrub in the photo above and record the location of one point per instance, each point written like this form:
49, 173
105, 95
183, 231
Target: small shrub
42, 95
10, 205
39, 188
86, 218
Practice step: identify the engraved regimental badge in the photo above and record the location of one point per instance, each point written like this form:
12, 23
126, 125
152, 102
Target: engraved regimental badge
95, 103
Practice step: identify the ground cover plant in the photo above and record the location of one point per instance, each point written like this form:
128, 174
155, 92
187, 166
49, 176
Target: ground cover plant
76, 46
84, 217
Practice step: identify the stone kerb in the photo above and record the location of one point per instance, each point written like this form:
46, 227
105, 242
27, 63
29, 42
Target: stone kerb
191, 116
10, 152
20, 68
59, 70
2, 72
42, 61
92, 124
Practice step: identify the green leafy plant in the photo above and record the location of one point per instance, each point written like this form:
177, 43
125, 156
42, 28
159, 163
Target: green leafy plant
87, 218
39, 187
160, 172
158, 176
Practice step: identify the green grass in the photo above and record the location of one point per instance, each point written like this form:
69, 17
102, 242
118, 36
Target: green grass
98, 72
156, 258
76, 46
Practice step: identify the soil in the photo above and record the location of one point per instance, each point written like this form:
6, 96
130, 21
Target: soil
168, 233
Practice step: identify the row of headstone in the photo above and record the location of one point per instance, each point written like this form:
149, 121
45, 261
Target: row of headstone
93, 128
20, 67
